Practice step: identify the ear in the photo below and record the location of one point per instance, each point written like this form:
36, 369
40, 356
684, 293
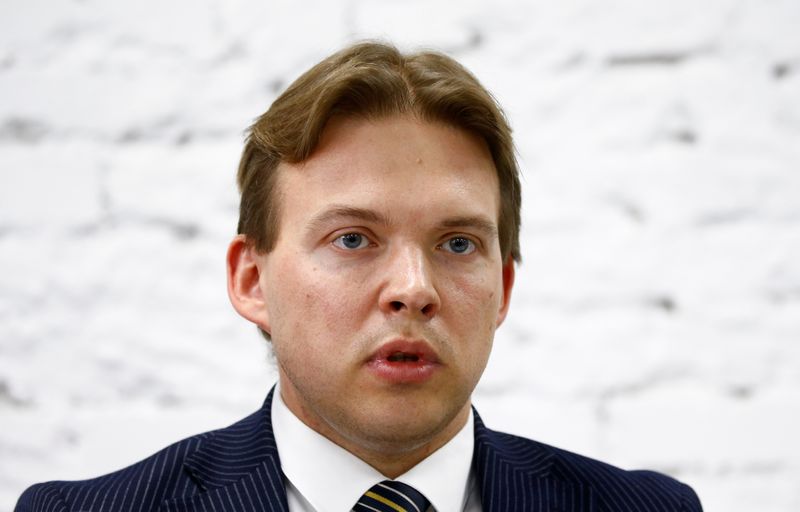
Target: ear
508, 284
244, 283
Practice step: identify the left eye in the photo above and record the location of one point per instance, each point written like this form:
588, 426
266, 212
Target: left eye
459, 245
351, 241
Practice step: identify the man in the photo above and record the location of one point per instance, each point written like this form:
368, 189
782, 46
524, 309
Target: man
377, 240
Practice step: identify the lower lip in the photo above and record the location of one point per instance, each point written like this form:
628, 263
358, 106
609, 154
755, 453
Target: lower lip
403, 372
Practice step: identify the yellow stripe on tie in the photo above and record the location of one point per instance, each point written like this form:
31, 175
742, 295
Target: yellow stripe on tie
385, 501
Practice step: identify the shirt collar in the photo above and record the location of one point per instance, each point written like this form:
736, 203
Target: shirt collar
309, 460
443, 477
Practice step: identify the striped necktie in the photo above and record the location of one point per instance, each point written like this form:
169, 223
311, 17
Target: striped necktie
391, 496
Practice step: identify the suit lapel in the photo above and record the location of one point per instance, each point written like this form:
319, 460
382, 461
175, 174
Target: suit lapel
517, 474
236, 468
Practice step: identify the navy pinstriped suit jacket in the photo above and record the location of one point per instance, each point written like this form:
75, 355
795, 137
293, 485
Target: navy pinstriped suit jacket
237, 469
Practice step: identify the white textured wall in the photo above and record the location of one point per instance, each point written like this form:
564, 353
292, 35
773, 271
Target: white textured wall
656, 319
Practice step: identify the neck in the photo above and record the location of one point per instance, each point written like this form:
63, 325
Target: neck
392, 455
395, 459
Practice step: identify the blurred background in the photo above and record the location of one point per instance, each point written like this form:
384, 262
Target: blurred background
656, 317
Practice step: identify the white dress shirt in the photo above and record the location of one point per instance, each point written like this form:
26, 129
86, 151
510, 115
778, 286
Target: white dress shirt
321, 476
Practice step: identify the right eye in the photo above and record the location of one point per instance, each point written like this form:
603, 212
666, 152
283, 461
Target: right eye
351, 241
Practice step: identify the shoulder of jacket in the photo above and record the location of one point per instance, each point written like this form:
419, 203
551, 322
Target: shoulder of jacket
609, 483
63, 495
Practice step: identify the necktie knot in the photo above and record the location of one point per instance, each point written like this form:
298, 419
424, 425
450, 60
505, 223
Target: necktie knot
391, 496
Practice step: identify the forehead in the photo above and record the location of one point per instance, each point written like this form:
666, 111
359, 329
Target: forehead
390, 162
404, 138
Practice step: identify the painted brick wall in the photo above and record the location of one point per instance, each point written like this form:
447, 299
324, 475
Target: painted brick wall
656, 319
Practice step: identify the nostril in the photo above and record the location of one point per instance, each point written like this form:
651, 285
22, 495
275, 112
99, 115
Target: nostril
398, 306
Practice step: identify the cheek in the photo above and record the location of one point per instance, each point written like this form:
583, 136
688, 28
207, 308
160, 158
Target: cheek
475, 301
475, 295
472, 324
317, 301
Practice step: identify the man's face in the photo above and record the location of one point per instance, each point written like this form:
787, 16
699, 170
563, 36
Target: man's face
386, 284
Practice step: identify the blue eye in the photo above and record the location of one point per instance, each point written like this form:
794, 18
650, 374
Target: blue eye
351, 241
459, 245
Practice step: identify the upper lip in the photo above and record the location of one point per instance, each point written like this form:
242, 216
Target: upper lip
418, 348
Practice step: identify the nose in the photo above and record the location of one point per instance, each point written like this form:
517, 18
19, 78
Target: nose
409, 288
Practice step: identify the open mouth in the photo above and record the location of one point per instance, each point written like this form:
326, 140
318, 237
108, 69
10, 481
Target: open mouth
404, 362
402, 357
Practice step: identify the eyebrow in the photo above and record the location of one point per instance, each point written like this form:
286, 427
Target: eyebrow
348, 212
471, 221
337, 212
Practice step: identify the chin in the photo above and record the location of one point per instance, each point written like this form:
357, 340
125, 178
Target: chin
393, 431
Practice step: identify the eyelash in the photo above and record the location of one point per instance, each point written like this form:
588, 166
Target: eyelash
473, 246
339, 242
364, 237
